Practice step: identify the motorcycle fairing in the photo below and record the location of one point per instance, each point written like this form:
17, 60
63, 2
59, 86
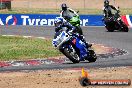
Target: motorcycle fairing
82, 48
75, 21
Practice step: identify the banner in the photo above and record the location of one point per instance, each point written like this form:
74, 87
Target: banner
48, 19
26, 19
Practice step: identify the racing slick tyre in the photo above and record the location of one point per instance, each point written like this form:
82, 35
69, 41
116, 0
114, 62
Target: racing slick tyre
125, 28
71, 54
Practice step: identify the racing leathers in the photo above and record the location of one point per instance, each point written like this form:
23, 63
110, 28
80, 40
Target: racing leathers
71, 28
68, 13
107, 10
65, 24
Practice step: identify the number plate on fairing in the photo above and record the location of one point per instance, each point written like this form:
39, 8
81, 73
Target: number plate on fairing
61, 39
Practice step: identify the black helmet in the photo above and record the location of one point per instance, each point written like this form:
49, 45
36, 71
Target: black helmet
106, 2
64, 6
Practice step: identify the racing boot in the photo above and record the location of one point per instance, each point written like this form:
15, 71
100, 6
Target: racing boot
83, 39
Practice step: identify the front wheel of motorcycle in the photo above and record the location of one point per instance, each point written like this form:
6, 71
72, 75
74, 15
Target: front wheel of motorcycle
71, 54
109, 29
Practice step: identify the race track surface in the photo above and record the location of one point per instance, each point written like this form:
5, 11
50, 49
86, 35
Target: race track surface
98, 35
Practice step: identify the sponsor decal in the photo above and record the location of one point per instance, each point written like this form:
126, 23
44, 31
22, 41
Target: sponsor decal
9, 20
26, 20
13, 18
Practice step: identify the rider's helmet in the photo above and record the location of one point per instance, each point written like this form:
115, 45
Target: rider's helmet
58, 21
106, 2
64, 6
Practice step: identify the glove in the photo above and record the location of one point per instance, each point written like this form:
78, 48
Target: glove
70, 32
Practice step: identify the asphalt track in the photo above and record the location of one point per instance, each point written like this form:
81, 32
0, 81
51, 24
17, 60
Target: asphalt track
121, 40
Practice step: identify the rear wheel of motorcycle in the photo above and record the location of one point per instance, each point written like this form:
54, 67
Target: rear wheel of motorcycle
68, 53
125, 28
92, 56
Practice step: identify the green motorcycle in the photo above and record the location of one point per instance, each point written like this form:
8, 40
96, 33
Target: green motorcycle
75, 21
71, 17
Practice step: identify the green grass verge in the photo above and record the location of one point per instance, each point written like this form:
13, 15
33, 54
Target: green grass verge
56, 11
18, 48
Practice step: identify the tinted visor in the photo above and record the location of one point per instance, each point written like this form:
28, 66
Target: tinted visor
64, 8
106, 3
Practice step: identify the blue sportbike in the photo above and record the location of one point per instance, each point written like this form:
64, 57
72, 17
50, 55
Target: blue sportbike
72, 47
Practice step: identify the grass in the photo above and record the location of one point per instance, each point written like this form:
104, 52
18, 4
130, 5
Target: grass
56, 11
18, 48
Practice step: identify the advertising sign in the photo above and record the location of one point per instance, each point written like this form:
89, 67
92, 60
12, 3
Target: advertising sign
48, 19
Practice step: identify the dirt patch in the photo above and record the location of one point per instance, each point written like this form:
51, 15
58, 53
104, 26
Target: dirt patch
61, 78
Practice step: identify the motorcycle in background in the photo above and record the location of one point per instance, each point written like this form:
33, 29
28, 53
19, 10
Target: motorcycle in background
115, 23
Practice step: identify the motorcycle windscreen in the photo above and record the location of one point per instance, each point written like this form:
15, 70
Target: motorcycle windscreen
82, 47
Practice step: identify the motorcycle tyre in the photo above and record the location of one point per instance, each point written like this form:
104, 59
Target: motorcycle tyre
125, 28
109, 29
67, 54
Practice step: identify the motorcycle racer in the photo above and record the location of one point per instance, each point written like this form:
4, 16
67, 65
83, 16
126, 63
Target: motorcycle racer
68, 13
107, 9
69, 42
61, 23
111, 20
